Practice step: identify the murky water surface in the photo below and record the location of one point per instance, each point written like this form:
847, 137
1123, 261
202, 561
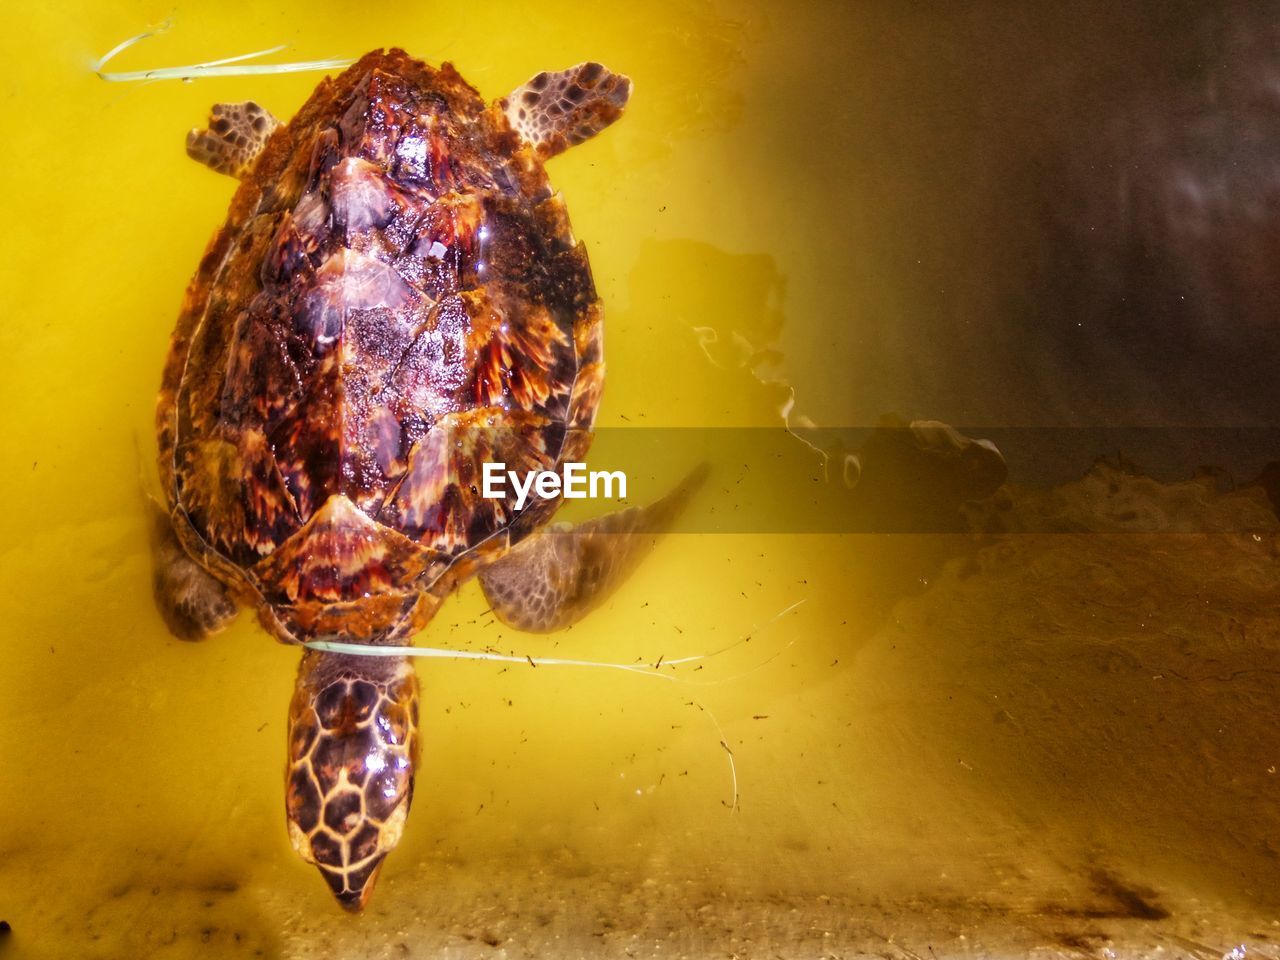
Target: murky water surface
1057, 735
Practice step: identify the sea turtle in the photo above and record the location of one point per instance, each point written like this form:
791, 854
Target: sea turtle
396, 298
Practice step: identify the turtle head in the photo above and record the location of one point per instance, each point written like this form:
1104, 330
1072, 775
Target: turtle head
352, 749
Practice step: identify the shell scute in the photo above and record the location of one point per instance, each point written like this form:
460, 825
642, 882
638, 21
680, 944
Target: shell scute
341, 554
440, 502
263, 382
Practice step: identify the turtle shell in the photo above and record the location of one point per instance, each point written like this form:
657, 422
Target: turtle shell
395, 299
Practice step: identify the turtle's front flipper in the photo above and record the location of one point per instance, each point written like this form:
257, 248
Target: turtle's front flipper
353, 741
562, 573
193, 604
554, 111
236, 134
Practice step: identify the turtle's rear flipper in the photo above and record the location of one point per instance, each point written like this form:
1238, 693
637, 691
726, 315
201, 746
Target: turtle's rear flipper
554, 111
562, 573
236, 134
193, 604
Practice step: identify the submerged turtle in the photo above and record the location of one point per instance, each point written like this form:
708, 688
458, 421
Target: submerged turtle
395, 299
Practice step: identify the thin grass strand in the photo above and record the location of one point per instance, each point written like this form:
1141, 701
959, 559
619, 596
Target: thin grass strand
226, 67
124, 45
200, 71
437, 653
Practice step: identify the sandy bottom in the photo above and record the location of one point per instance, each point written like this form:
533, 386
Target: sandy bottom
493, 911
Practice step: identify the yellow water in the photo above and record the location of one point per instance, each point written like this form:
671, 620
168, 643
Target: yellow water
950, 740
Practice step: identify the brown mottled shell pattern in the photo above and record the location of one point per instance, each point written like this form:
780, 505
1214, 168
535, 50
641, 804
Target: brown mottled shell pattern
396, 298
